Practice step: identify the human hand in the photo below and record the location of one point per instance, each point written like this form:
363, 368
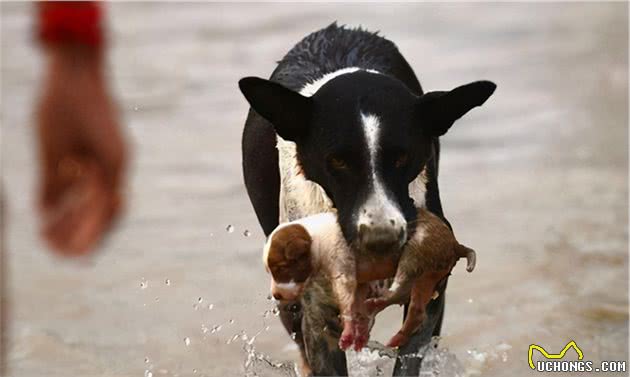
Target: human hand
81, 150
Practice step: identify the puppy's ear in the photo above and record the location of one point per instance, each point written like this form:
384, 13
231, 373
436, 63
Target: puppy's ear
439, 110
288, 111
289, 254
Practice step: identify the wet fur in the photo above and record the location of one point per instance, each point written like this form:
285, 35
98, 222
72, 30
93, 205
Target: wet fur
427, 259
328, 50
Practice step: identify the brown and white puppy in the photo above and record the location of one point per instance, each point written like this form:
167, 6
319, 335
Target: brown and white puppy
313, 245
428, 258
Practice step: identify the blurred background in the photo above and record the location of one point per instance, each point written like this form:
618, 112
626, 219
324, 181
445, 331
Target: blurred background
536, 181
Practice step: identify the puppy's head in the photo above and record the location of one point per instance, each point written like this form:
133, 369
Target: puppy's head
287, 258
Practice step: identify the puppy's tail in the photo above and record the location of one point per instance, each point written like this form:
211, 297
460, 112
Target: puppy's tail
468, 253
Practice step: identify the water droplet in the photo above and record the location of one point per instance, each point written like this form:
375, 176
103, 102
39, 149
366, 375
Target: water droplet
293, 335
200, 300
135, 108
187, 341
167, 281
247, 233
276, 311
210, 306
148, 373
379, 371
269, 297
194, 371
231, 321
204, 329
267, 328
230, 228
195, 306
470, 300
146, 360
216, 328
143, 284
157, 299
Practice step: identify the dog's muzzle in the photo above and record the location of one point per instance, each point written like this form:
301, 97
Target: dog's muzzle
381, 230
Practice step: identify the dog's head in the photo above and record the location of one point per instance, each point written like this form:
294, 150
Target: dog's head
363, 137
287, 257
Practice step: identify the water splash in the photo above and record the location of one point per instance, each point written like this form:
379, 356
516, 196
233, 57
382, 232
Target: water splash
479, 359
438, 361
257, 364
374, 360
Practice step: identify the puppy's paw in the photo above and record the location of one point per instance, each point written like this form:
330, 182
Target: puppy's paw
361, 333
347, 335
375, 305
398, 340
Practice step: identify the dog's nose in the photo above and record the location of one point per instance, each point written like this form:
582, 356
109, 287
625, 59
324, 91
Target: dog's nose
382, 237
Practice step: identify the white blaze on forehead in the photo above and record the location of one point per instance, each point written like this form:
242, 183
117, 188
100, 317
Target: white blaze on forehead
378, 204
371, 125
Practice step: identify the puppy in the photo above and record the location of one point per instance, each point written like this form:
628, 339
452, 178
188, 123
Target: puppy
313, 245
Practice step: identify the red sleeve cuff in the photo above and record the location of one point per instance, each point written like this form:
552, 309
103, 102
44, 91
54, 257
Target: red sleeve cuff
70, 22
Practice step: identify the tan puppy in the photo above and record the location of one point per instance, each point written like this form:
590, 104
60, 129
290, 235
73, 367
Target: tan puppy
314, 245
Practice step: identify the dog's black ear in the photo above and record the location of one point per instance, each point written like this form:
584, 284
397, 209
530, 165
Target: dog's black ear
439, 110
287, 110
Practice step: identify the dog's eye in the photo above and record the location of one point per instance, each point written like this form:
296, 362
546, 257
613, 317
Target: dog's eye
338, 163
401, 161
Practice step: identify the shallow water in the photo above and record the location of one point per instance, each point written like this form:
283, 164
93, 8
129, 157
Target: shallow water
535, 181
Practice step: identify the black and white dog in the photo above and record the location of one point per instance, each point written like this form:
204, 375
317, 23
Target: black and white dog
343, 125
